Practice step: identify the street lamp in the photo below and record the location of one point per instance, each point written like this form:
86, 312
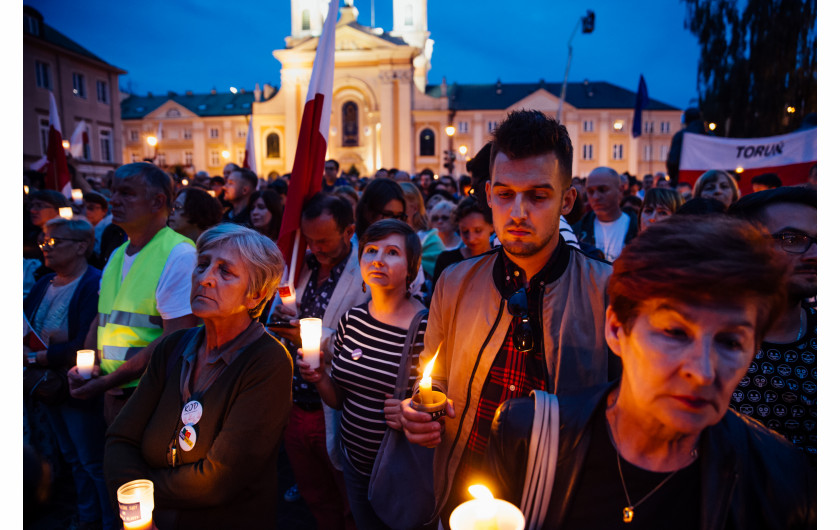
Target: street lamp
225, 154
450, 131
151, 140
712, 126
462, 150
588, 22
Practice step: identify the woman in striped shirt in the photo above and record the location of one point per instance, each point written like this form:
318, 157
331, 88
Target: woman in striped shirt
368, 350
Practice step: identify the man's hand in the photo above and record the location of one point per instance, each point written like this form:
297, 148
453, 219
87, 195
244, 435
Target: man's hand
291, 334
81, 388
419, 427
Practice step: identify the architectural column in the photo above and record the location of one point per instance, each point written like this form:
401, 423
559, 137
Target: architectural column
405, 135
604, 126
387, 118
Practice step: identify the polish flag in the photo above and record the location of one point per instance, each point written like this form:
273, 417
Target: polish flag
308, 167
57, 175
249, 162
79, 140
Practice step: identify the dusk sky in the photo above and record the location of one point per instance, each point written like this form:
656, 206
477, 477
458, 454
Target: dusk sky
196, 45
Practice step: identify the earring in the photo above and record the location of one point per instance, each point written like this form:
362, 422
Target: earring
364, 287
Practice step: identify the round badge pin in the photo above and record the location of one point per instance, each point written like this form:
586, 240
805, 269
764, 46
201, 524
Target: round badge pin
191, 413
356, 354
187, 437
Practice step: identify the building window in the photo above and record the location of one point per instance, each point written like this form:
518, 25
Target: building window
214, 158
618, 125
618, 152
305, 24
491, 126
31, 25
349, 124
105, 145
187, 134
427, 142
214, 132
587, 151
187, 158
649, 127
588, 125
133, 135
43, 76
463, 127
663, 152
272, 146
173, 113
79, 89
242, 133
102, 92
665, 127
240, 156
44, 133
648, 153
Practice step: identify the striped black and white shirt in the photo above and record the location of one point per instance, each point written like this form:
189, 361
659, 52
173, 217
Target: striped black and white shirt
367, 378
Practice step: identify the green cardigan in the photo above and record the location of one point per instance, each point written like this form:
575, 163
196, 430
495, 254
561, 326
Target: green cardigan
229, 479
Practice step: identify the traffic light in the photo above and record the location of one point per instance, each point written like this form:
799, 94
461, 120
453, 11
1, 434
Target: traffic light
589, 21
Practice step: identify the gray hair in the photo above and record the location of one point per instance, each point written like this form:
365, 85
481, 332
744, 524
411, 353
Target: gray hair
157, 181
444, 206
76, 229
262, 258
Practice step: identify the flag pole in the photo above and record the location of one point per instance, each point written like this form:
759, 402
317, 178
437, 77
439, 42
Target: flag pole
293, 268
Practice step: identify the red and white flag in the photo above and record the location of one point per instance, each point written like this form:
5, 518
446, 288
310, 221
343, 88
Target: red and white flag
79, 140
250, 162
308, 167
790, 156
57, 175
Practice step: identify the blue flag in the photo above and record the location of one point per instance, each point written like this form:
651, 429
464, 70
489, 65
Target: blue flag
641, 103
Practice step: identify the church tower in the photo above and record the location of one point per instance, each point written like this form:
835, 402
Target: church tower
411, 23
308, 18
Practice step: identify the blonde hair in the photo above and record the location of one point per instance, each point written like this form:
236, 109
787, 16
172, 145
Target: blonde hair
714, 174
418, 221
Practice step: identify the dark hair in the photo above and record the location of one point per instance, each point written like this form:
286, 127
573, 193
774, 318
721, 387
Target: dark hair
701, 206
479, 168
666, 197
699, 261
427, 171
339, 209
384, 228
52, 197
155, 178
464, 181
200, 208
378, 193
632, 200
279, 185
771, 180
752, 206
331, 160
274, 203
217, 180
528, 133
248, 175
345, 192
469, 205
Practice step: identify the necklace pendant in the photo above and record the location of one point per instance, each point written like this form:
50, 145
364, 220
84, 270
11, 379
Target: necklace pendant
628, 514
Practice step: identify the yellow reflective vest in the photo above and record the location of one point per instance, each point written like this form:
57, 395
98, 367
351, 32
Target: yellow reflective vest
128, 315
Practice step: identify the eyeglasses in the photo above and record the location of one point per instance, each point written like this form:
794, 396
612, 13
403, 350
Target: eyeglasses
51, 242
391, 215
794, 243
437, 218
523, 335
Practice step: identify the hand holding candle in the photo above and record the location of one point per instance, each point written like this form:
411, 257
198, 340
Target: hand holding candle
84, 362
428, 400
310, 338
486, 513
426, 396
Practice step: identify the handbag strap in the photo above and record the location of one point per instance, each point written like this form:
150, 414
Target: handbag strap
542, 458
405, 361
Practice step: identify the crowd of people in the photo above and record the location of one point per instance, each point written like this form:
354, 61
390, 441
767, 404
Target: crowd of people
676, 324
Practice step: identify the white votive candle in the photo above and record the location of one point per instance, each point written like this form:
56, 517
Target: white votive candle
310, 339
84, 362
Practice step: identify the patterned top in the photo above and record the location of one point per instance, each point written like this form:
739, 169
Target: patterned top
367, 359
780, 388
313, 304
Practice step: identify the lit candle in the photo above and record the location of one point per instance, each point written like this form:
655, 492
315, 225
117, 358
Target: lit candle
26, 189
77, 195
84, 362
66, 212
426, 396
310, 339
288, 297
185, 182
212, 193
486, 513
137, 502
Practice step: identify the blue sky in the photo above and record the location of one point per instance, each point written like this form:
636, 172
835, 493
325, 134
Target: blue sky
197, 45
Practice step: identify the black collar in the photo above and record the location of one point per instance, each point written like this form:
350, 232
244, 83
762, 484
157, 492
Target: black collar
553, 269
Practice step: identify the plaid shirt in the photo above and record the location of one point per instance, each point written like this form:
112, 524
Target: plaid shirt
513, 373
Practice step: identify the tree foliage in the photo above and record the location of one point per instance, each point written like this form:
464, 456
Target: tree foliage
757, 58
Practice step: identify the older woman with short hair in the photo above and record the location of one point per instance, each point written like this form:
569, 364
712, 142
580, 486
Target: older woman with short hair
690, 300
719, 185
197, 426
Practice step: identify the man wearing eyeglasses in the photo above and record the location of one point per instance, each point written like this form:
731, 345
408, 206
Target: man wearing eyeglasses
780, 387
529, 315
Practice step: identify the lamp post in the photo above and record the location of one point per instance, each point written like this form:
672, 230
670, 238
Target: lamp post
153, 142
588, 22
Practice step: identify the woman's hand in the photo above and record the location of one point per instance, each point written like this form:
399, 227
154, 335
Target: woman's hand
309, 374
392, 412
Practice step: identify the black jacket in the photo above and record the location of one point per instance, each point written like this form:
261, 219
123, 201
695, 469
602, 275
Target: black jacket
752, 478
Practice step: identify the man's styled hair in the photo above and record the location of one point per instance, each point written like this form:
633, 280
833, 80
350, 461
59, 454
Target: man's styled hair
248, 175
386, 227
751, 207
699, 261
527, 133
771, 180
157, 181
200, 208
339, 209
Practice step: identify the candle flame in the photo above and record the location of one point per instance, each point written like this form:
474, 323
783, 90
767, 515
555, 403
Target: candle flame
480, 492
427, 371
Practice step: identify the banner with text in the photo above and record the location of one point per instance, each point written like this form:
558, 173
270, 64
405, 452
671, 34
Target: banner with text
790, 156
